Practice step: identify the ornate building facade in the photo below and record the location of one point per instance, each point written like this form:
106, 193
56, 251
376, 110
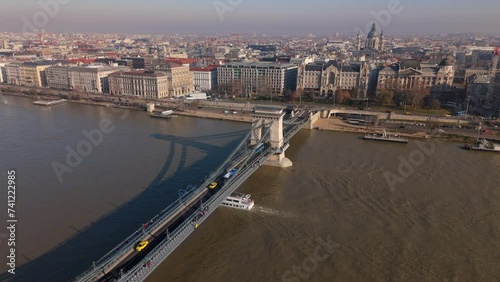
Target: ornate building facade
323, 79
146, 84
411, 74
373, 47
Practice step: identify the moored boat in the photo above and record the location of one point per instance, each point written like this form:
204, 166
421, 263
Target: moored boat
385, 137
483, 145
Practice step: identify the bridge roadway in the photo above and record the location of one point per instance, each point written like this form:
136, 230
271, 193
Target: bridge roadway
175, 223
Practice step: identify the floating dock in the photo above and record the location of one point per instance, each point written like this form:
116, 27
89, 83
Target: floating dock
49, 103
161, 115
385, 137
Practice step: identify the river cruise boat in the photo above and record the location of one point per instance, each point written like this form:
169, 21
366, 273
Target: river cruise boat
385, 137
483, 145
239, 201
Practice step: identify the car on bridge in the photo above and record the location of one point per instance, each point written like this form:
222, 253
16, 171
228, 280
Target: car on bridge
141, 245
212, 185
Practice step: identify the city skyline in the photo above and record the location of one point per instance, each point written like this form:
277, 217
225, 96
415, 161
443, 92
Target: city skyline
223, 16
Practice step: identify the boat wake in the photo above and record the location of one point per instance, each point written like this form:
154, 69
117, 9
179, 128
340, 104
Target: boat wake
274, 212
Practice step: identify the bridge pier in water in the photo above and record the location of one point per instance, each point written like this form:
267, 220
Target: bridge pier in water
271, 118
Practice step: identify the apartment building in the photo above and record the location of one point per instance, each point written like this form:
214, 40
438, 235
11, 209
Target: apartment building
205, 79
495, 92
260, 77
13, 73
33, 73
3, 73
58, 77
92, 78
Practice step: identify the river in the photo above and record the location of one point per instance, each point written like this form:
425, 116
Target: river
348, 209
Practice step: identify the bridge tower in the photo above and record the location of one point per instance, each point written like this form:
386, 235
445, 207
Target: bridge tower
272, 118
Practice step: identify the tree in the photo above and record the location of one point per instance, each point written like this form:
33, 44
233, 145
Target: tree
355, 92
264, 87
385, 96
341, 96
236, 87
416, 95
223, 89
435, 104
288, 93
297, 94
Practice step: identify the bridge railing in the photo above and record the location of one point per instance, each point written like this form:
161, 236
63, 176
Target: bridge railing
171, 244
100, 267
154, 258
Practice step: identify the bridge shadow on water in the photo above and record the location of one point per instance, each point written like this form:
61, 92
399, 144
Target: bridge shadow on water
76, 254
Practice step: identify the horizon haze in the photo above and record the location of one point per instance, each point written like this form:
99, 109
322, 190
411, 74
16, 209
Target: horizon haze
263, 17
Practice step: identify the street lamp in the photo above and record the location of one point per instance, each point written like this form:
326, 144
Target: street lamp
404, 100
467, 108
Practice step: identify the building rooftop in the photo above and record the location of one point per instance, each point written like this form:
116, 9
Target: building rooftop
181, 61
482, 79
259, 65
81, 60
415, 64
320, 66
209, 68
39, 63
139, 73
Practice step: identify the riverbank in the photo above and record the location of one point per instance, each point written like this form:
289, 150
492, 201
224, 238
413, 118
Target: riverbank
214, 115
191, 113
84, 102
339, 126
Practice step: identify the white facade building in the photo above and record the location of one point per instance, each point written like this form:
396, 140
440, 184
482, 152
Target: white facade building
90, 78
13, 73
146, 84
3, 73
205, 79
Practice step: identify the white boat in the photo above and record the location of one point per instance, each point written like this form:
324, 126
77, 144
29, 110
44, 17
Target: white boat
483, 145
239, 201
167, 113
385, 137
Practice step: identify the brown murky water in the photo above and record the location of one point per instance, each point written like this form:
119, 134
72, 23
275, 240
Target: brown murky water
441, 224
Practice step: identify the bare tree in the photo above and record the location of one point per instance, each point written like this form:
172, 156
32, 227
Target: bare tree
385, 96
297, 94
341, 96
435, 104
416, 95
236, 88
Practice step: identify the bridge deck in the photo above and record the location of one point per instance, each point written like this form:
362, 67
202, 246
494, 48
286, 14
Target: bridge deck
124, 264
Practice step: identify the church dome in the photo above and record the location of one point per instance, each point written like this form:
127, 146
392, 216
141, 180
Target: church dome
373, 33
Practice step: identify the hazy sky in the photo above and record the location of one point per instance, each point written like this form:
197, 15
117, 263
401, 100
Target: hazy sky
245, 16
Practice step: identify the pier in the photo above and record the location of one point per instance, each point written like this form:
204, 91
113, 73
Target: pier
49, 103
